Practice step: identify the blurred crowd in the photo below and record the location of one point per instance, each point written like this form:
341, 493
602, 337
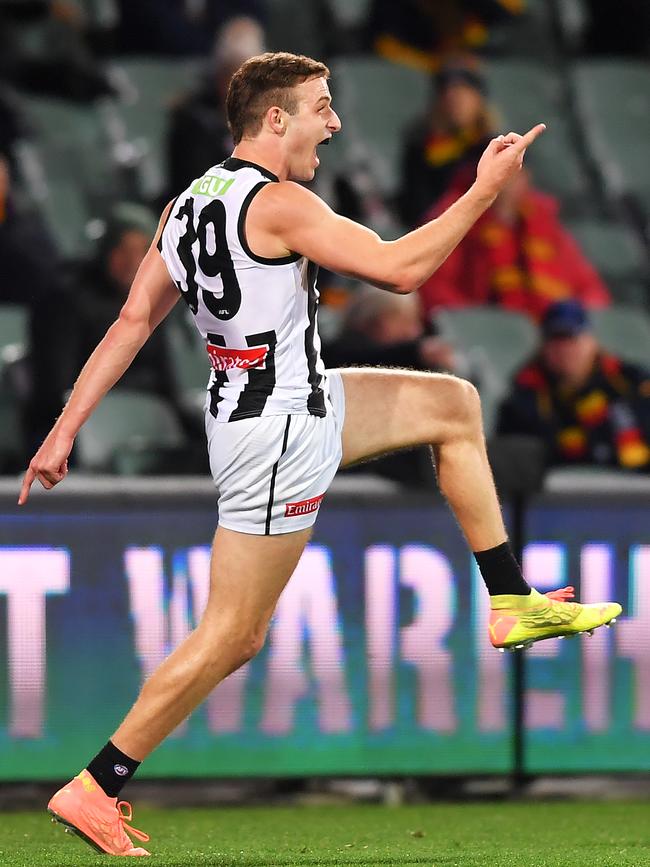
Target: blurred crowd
588, 403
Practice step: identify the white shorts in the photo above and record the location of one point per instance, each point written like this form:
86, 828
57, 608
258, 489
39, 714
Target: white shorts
272, 472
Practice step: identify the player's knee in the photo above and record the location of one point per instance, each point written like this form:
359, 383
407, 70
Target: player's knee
249, 645
466, 405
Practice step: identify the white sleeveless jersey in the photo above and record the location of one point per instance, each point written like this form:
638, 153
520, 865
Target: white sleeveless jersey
257, 316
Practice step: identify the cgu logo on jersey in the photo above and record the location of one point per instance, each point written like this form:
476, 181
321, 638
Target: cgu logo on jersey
212, 185
223, 358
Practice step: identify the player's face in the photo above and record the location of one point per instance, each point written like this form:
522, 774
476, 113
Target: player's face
315, 122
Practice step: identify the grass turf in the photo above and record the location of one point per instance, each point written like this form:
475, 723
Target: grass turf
445, 835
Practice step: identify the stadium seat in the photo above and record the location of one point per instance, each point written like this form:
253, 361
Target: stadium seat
618, 255
11, 446
377, 100
624, 331
130, 432
190, 361
495, 342
148, 87
530, 34
13, 331
14, 339
525, 93
72, 142
613, 102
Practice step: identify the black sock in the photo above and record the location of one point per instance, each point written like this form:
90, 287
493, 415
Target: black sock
501, 571
112, 769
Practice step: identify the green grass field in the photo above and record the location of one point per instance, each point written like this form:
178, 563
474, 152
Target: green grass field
445, 835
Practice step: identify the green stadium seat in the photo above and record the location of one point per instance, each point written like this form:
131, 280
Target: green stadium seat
495, 342
149, 88
613, 101
530, 34
377, 101
618, 255
72, 143
130, 432
14, 339
191, 364
624, 331
525, 93
11, 446
13, 331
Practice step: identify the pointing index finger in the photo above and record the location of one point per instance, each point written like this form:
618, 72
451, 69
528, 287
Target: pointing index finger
30, 475
530, 136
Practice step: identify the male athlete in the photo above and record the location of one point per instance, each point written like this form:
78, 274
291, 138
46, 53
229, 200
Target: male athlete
239, 245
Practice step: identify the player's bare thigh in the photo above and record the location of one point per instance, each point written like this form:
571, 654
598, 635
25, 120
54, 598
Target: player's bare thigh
388, 409
248, 573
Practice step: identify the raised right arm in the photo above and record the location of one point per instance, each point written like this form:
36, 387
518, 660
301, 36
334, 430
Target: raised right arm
286, 217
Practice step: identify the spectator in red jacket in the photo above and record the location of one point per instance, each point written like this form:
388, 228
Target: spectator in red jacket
517, 256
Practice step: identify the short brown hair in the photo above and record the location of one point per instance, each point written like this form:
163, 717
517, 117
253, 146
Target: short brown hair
262, 82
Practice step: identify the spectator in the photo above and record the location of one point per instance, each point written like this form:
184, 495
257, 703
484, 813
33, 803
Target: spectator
587, 406
419, 32
199, 136
45, 48
516, 256
30, 276
177, 27
383, 328
453, 133
96, 297
99, 290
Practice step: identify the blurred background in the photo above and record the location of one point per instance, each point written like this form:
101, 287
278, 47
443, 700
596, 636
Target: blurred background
109, 108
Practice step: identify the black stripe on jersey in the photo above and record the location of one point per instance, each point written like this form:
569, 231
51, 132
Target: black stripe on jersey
241, 231
231, 164
261, 381
316, 400
269, 508
169, 213
220, 378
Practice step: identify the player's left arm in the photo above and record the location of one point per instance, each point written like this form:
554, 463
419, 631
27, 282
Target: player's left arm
152, 296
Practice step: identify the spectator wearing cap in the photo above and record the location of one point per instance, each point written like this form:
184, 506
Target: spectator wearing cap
517, 256
589, 407
453, 134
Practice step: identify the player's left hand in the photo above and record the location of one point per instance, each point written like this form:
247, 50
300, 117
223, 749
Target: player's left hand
49, 465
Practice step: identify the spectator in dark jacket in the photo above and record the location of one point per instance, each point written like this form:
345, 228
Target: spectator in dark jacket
589, 407
99, 292
199, 136
453, 133
383, 328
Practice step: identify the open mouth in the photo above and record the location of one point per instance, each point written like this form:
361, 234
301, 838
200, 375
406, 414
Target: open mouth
325, 141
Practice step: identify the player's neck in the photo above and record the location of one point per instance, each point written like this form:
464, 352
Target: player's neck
262, 155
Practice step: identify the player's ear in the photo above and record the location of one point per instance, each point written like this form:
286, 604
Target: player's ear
275, 117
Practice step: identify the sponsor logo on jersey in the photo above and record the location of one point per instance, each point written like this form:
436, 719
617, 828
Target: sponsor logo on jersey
211, 185
304, 507
223, 358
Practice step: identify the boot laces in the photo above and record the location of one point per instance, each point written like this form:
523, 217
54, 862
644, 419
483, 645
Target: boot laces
126, 815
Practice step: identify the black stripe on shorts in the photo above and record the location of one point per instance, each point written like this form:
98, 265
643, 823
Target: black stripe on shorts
269, 508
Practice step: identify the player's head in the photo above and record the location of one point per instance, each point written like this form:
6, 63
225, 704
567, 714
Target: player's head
284, 99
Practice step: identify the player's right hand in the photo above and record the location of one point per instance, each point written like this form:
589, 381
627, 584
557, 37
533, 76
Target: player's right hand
503, 158
49, 465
